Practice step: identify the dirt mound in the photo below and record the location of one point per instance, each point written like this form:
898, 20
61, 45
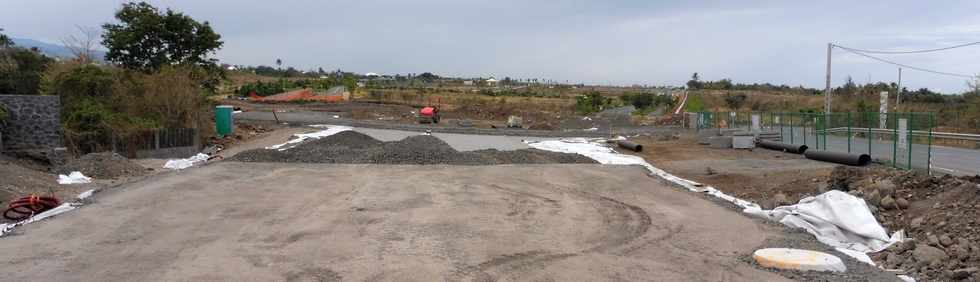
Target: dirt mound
355, 147
940, 213
107, 165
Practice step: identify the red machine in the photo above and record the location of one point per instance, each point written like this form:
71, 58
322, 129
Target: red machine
429, 114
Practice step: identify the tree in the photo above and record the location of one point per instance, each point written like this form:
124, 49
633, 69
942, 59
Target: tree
83, 47
21, 70
428, 76
849, 88
5, 41
974, 84
695, 82
147, 39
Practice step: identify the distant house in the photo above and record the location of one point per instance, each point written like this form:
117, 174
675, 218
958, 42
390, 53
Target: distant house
371, 74
491, 82
468, 82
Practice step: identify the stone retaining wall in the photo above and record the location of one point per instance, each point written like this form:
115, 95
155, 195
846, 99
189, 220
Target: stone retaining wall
34, 122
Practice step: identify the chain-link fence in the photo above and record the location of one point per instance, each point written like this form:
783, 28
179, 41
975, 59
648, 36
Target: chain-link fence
901, 140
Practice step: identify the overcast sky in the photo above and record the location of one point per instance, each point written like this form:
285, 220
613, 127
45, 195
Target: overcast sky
606, 42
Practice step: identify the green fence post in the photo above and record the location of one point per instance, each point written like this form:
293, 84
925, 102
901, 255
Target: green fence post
803, 127
932, 123
894, 139
908, 138
867, 123
848, 132
792, 133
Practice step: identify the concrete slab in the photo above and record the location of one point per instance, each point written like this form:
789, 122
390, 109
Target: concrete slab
720, 142
231, 221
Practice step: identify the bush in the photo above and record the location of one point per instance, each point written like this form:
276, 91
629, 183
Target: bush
591, 102
169, 98
76, 83
735, 101
21, 70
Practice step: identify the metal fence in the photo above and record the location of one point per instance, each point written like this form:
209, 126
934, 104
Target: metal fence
901, 140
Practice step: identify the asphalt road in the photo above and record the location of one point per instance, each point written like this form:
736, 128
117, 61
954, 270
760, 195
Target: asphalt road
951, 160
232, 221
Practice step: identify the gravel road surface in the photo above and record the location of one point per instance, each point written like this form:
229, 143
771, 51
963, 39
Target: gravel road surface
232, 221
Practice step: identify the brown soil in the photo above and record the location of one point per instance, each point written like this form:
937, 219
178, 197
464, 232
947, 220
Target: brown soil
18, 181
756, 175
106, 165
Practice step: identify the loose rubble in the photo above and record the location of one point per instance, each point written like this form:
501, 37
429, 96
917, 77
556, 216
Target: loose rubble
940, 213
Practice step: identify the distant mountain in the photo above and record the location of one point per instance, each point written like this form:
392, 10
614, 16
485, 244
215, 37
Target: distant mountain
53, 50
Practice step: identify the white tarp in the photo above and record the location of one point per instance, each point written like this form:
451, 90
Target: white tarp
837, 219
329, 130
75, 177
188, 162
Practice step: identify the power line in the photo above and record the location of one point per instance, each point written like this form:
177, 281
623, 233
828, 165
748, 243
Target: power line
860, 53
914, 51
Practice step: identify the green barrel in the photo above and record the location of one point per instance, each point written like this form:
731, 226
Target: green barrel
223, 120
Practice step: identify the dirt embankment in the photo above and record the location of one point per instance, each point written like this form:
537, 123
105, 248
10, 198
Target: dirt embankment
358, 148
940, 213
106, 165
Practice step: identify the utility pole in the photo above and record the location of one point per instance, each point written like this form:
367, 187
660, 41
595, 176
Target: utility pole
826, 92
898, 93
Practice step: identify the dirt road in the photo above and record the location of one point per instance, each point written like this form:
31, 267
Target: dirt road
294, 222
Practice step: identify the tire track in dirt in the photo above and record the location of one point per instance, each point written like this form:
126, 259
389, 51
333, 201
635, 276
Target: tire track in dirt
625, 223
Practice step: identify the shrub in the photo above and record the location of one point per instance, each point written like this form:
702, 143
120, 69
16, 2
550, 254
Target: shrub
591, 102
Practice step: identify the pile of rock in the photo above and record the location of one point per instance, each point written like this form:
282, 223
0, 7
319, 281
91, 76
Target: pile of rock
940, 214
356, 148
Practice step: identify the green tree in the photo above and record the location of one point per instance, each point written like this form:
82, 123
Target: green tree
21, 70
5, 41
147, 39
695, 82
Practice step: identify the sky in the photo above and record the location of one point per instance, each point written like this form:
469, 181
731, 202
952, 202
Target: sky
595, 42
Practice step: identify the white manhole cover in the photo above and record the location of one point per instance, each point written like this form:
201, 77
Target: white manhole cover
798, 259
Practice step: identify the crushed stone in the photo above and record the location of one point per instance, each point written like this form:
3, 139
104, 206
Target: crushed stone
357, 148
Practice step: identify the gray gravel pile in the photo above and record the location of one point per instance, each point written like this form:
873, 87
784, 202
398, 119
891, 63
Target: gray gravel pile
357, 148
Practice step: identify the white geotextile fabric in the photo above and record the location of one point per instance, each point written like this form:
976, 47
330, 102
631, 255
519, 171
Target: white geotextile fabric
188, 162
75, 177
329, 130
836, 218
63, 208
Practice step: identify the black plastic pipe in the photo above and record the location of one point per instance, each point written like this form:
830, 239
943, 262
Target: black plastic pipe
630, 145
841, 158
789, 148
